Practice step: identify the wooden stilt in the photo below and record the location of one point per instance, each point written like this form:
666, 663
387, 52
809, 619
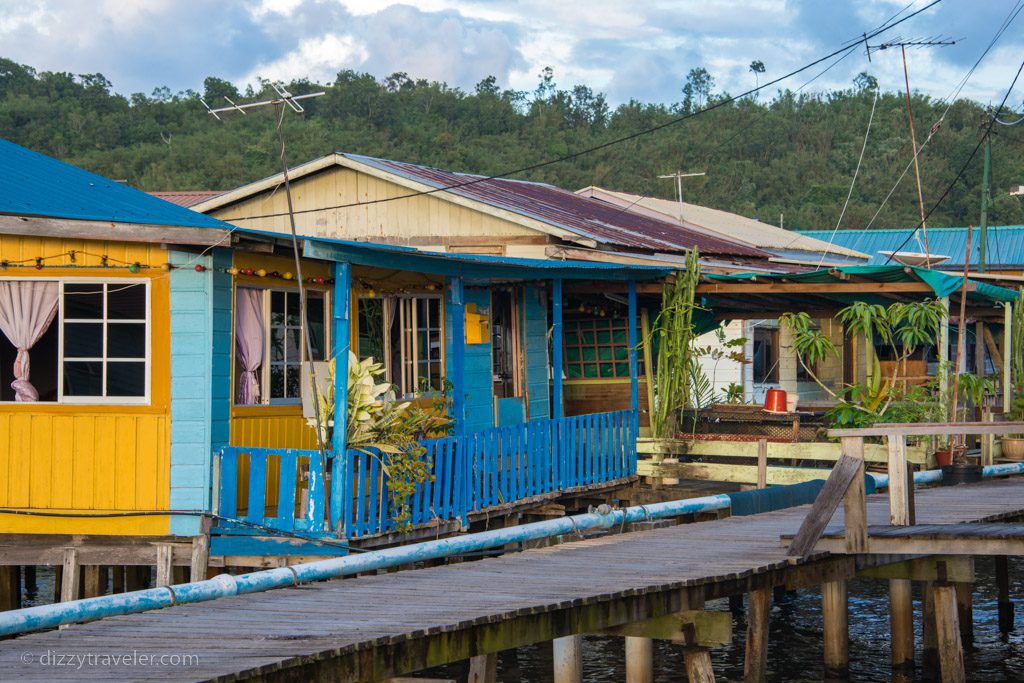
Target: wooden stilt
947, 629
95, 586
483, 668
834, 616
58, 573
568, 656
200, 557
639, 660
10, 587
1003, 585
901, 623
698, 665
70, 576
755, 663
164, 564
965, 612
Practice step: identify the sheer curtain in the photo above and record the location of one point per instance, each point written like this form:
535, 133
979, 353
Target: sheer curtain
26, 311
249, 342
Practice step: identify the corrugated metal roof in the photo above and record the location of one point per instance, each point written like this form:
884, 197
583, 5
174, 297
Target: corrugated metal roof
563, 209
34, 184
729, 225
1005, 244
187, 199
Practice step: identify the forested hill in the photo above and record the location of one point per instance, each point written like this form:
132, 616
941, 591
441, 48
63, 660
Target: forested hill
789, 154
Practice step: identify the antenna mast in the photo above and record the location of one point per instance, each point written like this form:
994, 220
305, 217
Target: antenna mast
679, 175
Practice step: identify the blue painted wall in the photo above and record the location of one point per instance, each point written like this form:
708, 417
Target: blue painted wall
200, 378
535, 347
478, 389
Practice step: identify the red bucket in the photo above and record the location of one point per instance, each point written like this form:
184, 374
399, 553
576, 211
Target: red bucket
775, 401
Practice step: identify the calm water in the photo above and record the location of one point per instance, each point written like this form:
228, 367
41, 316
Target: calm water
795, 644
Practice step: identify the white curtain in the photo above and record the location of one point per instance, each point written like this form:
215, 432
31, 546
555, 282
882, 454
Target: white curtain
249, 341
26, 310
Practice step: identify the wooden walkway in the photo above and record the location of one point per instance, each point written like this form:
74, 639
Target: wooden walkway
390, 624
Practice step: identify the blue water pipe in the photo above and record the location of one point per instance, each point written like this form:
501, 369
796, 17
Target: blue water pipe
224, 585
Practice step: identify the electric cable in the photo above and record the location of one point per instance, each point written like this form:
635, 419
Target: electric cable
605, 145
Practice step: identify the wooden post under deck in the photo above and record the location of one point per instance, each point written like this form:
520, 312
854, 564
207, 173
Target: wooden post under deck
965, 611
568, 658
639, 659
70, 575
835, 628
929, 639
10, 587
947, 629
484, 668
698, 665
901, 623
755, 662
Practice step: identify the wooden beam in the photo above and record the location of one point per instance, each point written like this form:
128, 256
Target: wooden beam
901, 486
112, 231
736, 474
755, 661
164, 565
483, 668
934, 568
855, 507
901, 625
825, 505
568, 659
835, 629
200, 557
932, 429
762, 463
698, 665
639, 660
947, 628
695, 627
70, 575
815, 287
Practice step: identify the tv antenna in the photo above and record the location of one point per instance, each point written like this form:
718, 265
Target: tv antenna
286, 99
283, 97
903, 44
679, 175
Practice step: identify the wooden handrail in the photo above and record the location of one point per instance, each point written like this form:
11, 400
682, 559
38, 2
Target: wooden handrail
932, 429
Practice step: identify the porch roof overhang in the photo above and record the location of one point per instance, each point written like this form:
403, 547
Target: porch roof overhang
824, 292
474, 266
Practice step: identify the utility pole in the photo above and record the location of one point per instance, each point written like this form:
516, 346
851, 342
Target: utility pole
679, 175
903, 45
985, 197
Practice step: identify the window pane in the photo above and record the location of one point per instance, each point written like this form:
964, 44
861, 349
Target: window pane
315, 323
371, 329
294, 344
293, 380
83, 301
83, 378
277, 341
293, 309
126, 379
126, 340
277, 308
276, 381
83, 340
125, 302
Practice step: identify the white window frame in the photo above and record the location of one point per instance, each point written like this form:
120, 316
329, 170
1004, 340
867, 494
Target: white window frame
265, 398
408, 336
143, 400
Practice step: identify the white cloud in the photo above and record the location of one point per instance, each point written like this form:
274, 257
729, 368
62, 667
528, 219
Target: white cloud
318, 59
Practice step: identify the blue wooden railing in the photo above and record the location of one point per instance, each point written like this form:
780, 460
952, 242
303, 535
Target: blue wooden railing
469, 473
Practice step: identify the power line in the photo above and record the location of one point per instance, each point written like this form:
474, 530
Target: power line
626, 138
988, 131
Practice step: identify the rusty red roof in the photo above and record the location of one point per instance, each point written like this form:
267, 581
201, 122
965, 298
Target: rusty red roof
187, 199
583, 216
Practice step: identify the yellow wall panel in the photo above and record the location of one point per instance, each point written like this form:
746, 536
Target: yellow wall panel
90, 458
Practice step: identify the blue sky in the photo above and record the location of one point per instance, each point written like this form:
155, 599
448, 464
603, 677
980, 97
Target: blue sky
627, 49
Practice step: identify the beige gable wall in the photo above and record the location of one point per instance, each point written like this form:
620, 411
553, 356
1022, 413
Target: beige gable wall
423, 221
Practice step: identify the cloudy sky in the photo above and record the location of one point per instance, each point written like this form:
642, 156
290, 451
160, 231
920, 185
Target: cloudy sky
626, 48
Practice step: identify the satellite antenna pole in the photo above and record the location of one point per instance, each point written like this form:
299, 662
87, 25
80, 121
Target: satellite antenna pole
679, 175
286, 99
903, 45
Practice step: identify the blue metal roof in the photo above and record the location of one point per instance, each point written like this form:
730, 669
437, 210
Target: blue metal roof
33, 184
1005, 244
